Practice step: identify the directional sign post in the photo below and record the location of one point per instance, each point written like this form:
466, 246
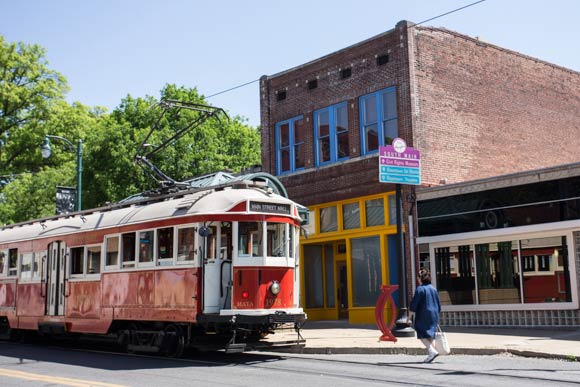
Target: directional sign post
399, 163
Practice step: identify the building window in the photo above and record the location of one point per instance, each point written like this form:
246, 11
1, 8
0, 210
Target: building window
489, 273
392, 209
313, 276
375, 212
346, 73
290, 145
366, 270
350, 216
378, 119
328, 219
331, 127
382, 59
281, 95
312, 84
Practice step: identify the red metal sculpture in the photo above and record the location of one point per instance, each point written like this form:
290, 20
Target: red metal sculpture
386, 295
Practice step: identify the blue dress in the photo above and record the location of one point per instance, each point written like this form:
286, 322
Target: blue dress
426, 306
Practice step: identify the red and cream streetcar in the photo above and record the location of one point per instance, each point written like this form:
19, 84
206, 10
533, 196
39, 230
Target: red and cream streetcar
213, 267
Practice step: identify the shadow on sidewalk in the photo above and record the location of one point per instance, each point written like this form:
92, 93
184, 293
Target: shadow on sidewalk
539, 333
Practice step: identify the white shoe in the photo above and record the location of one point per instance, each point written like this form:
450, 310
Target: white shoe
431, 357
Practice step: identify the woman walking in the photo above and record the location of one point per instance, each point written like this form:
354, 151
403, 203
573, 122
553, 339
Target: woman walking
425, 307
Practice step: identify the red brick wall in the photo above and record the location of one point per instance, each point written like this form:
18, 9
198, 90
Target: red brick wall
486, 111
354, 177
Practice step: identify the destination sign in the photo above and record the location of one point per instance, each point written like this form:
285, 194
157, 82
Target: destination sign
274, 208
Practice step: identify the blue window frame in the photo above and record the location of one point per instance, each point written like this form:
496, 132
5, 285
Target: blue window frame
290, 151
378, 119
331, 134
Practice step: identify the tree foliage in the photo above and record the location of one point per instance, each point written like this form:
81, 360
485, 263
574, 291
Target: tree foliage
215, 145
32, 106
28, 92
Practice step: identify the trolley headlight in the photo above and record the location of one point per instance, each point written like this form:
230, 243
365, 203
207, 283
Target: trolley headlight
275, 287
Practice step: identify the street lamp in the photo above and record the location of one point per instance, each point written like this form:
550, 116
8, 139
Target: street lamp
46, 151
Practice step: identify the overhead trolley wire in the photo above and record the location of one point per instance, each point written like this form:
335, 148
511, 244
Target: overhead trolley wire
416, 24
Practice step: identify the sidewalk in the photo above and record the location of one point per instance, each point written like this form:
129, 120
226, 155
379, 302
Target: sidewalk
339, 337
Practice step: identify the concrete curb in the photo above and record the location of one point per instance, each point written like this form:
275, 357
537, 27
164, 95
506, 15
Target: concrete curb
420, 351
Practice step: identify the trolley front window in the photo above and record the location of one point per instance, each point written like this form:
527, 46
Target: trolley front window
277, 239
250, 239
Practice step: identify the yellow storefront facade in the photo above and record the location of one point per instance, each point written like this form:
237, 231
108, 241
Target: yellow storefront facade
349, 252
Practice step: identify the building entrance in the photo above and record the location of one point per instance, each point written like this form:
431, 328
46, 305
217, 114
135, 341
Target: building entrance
342, 290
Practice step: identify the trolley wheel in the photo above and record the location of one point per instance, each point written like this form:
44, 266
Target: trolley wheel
128, 337
174, 341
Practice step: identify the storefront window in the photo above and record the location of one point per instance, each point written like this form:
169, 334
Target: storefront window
366, 267
375, 212
539, 267
328, 219
392, 210
498, 273
455, 275
546, 276
329, 267
350, 216
313, 276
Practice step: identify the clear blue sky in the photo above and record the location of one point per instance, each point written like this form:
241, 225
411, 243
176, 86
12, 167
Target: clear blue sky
110, 48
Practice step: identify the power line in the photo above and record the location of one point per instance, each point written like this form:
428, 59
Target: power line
447, 13
416, 24
233, 88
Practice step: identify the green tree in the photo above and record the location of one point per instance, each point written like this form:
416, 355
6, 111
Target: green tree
72, 122
31, 196
28, 91
217, 144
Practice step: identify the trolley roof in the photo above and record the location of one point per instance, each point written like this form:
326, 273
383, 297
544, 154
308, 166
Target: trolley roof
201, 201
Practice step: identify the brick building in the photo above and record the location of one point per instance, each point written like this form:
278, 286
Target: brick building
473, 109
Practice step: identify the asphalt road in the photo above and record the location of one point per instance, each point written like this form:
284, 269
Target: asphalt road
42, 365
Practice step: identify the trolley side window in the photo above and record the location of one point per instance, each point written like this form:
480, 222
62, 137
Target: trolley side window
128, 248
12, 262
93, 259
146, 248
36, 262
250, 239
186, 244
26, 266
2, 263
165, 243
112, 251
77, 261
